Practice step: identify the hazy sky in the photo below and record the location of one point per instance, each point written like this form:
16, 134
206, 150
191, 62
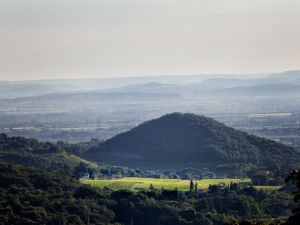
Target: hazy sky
70, 38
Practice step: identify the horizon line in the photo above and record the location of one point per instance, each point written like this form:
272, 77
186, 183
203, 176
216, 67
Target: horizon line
142, 76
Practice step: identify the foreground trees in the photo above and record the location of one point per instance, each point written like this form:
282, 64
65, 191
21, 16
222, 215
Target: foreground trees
29, 196
293, 219
295, 178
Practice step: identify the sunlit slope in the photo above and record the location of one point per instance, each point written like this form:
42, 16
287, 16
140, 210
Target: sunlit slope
137, 183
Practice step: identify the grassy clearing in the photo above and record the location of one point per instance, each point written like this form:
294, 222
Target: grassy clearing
137, 183
268, 188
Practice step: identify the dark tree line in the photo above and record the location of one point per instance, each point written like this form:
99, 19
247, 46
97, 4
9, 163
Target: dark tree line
30, 196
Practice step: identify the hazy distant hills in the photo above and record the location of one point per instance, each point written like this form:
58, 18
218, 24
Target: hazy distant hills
288, 76
283, 84
16, 89
182, 140
152, 87
264, 90
287, 83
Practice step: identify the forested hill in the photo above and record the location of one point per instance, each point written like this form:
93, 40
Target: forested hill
40, 155
58, 158
189, 140
33, 197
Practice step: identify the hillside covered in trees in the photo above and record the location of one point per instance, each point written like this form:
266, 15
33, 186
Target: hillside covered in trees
187, 140
38, 185
41, 155
31, 197
56, 158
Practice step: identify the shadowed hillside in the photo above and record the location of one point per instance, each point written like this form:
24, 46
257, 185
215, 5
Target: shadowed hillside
41, 155
181, 140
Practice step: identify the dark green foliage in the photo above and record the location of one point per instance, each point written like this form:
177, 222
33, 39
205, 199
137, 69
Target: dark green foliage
275, 205
191, 185
53, 157
30, 196
295, 179
21, 144
35, 196
32, 153
181, 140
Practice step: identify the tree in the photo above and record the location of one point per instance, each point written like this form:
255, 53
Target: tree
151, 187
191, 185
294, 177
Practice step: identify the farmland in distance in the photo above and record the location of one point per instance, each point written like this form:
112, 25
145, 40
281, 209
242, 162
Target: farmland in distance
138, 183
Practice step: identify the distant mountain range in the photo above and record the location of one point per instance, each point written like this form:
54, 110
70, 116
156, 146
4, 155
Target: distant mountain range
188, 140
30, 88
285, 84
184, 84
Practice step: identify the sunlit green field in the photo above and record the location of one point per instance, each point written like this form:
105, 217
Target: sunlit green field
137, 183
268, 188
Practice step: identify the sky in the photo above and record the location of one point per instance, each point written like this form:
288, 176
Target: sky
45, 39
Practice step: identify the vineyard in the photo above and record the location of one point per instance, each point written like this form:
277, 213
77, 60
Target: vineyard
137, 183
267, 188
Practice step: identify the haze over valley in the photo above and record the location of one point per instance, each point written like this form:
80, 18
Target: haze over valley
77, 110
149, 112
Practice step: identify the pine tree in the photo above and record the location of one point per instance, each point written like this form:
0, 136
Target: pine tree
191, 185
